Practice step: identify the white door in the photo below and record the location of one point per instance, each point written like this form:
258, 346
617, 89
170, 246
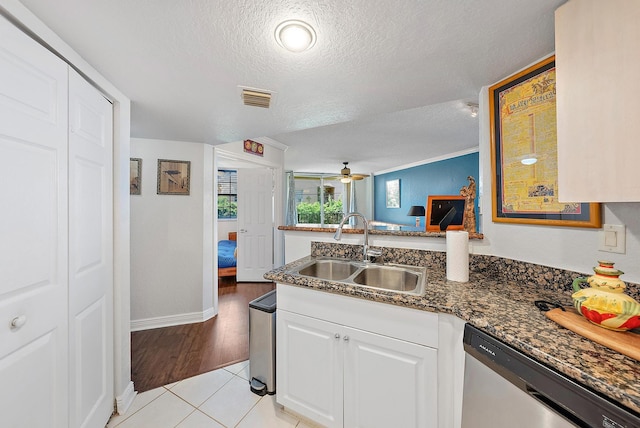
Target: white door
33, 231
255, 224
90, 255
388, 382
311, 350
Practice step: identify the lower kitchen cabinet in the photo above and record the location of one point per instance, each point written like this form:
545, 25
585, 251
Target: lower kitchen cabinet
338, 375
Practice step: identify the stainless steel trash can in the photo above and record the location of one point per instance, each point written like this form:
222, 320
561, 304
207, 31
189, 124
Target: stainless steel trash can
262, 344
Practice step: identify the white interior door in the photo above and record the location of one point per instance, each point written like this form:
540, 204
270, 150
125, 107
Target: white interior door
255, 224
33, 233
90, 255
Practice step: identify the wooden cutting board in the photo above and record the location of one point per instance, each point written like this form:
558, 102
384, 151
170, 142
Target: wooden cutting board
624, 342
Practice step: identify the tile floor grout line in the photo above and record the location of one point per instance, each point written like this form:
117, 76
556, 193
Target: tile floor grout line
220, 422
195, 408
183, 419
208, 397
137, 395
249, 411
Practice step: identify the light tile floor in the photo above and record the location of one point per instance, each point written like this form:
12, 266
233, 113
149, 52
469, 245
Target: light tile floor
216, 399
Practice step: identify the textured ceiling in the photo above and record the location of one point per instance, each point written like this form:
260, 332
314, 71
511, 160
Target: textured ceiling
385, 84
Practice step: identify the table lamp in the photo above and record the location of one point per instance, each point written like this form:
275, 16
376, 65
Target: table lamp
417, 211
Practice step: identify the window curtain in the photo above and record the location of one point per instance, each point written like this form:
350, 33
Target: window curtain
291, 215
352, 203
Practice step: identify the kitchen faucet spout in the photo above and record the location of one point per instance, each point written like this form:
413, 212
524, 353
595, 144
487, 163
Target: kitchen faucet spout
366, 252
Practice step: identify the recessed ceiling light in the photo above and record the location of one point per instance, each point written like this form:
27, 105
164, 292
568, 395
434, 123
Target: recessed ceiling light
295, 36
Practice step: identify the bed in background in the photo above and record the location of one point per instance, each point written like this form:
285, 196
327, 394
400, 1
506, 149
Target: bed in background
227, 256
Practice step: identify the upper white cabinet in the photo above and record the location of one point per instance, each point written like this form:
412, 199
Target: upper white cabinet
597, 69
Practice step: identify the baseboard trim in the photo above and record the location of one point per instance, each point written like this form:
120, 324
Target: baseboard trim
124, 400
171, 320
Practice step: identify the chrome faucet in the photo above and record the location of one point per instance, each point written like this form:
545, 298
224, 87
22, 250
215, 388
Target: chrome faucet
366, 252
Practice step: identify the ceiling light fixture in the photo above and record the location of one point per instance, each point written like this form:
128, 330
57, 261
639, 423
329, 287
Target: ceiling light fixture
529, 160
295, 36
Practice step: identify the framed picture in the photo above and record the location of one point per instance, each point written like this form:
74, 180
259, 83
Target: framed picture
393, 193
173, 177
524, 153
445, 212
135, 176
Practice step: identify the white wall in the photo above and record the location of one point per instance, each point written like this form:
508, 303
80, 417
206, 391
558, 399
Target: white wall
226, 226
172, 239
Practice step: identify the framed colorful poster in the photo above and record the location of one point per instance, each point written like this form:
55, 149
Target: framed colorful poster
524, 153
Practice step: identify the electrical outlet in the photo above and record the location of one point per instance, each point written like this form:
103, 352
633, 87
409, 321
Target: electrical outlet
613, 238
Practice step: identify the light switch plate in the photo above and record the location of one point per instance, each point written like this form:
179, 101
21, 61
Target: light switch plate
613, 238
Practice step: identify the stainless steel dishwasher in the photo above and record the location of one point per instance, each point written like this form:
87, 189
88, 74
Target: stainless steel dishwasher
505, 388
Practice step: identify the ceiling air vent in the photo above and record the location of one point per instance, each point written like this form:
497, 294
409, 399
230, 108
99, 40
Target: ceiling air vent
255, 98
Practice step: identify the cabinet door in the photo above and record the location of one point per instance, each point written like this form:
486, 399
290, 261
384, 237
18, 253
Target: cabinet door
388, 382
597, 69
309, 367
33, 233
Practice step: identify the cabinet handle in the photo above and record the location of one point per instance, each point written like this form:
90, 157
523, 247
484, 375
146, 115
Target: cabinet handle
346, 338
18, 322
337, 336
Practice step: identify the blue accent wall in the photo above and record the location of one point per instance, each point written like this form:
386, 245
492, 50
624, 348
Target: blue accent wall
444, 177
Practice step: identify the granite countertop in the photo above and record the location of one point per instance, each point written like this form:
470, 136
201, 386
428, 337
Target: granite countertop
377, 230
498, 299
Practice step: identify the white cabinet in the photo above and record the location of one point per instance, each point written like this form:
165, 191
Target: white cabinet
310, 367
345, 373
597, 69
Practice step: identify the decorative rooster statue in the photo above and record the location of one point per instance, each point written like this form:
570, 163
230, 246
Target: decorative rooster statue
469, 192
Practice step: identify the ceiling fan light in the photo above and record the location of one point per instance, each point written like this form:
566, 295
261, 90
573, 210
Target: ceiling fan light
295, 36
345, 180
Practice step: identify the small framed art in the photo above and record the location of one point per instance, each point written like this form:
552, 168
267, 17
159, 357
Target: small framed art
173, 177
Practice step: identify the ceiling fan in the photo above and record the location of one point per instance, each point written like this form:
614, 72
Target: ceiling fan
346, 176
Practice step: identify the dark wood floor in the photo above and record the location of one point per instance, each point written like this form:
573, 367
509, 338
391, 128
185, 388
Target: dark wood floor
165, 355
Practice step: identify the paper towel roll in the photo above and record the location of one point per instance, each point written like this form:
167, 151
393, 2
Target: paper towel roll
457, 255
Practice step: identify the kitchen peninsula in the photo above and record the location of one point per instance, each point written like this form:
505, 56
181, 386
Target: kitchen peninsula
498, 299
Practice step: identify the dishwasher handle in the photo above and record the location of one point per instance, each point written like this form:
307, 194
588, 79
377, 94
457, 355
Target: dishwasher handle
561, 410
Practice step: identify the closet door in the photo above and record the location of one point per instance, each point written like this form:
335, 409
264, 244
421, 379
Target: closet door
90, 255
33, 233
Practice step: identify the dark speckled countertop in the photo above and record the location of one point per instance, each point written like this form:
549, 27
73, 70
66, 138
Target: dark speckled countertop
499, 300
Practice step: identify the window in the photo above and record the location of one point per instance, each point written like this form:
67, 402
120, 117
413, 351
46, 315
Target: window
309, 191
227, 194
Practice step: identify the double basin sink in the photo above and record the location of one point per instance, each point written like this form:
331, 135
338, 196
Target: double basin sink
390, 277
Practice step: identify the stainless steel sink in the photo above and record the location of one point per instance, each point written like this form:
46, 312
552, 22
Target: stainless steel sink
333, 270
390, 277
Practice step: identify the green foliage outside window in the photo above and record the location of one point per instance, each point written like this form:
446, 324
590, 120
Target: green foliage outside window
310, 212
227, 208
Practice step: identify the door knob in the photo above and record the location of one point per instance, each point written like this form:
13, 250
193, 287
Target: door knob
18, 322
